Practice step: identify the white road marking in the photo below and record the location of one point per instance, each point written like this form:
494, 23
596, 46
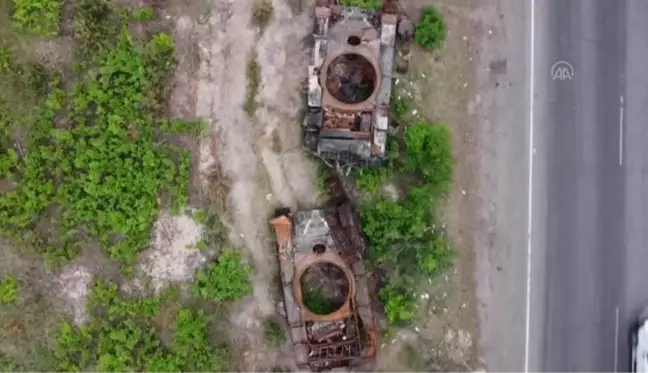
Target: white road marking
530, 192
621, 108
616, 340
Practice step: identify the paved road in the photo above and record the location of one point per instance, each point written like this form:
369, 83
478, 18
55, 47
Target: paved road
590, 259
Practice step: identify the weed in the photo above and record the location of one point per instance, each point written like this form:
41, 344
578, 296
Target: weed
273, 334
225, 280
253, 75
430, 30
8, 289
262, 12
400, 107
364, 4
316, 302
38, 17
143, 14
322, 181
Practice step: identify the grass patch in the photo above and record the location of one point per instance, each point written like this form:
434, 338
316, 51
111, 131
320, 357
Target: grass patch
143, 14
431, 29
262, 12
37, 17
364, 4
226, 279
253, 75
273, 334
8, 289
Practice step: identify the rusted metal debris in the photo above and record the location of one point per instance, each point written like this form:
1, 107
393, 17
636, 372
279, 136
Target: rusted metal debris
350, 79
347, 336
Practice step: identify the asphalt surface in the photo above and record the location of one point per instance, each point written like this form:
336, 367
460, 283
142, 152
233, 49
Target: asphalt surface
590, 228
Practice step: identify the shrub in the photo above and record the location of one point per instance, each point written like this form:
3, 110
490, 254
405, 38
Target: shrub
371, 179
400, 304
428, 152
225, 280
105, 172
39, 17
431, 28
121, 336
364, 4
192, 348
8, 289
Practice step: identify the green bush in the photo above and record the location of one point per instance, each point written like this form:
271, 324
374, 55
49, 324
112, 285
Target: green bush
430, 30
121, 336
428, 150
39, 17
404, 241
228, 279
400, 304
371, 179
105, 172
364, 4
8, 289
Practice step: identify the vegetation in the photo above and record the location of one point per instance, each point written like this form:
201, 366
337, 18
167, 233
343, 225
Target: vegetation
8, 289
428, 153
144, 14
273, 334
322, 181
262, 11
37, 17
226, 279
122, 336
405, 242
87, 159
316, 302
430, 30
364, 4
253, 75
96, 160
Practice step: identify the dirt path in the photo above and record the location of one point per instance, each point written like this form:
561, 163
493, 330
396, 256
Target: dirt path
260, 155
